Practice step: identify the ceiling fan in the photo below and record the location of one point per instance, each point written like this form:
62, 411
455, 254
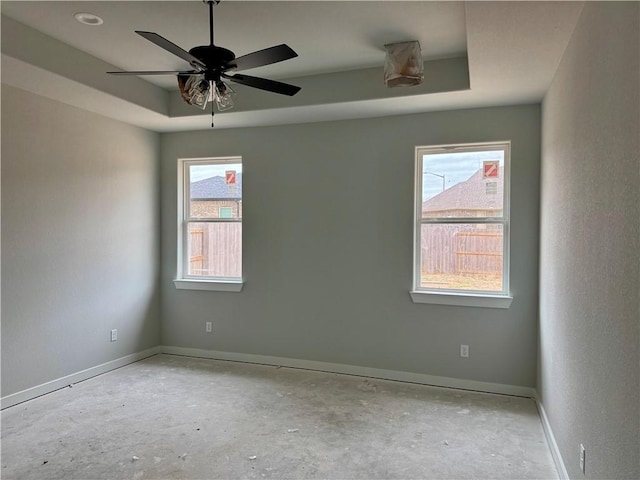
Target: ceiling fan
209, 66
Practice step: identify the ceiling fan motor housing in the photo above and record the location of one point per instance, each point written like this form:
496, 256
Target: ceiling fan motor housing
213, 57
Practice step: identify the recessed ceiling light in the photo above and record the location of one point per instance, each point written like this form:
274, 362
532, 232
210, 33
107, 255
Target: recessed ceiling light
88, 19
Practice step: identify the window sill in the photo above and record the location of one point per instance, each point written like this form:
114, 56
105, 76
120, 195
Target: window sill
462, 300
211, 285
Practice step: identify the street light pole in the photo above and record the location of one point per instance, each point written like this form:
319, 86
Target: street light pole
437, 175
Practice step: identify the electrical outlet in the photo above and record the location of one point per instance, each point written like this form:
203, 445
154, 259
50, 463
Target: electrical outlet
583, 454
464, 351
114, 335
208, 327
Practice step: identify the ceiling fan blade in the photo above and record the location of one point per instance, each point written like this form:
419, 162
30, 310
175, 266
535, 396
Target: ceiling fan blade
156, 72
264, 84
267, 56
172, 48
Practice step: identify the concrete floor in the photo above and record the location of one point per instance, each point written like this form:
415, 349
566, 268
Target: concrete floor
170, 417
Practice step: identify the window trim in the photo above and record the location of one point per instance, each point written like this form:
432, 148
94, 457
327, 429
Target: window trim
198, 282
476, 298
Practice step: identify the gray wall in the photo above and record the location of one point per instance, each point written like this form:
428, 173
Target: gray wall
328, 225
589, 277
80, 247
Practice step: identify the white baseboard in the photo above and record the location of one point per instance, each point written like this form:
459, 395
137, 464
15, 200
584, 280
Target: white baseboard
551, 440
419, 378
62, 382
410, 377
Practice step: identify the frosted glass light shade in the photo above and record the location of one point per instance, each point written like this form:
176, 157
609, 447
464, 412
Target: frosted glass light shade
194, 90
225, 97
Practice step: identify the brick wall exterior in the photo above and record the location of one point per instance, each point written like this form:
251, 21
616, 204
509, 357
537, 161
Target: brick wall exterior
211, 208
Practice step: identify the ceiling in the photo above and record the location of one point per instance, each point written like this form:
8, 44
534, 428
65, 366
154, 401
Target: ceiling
476, 54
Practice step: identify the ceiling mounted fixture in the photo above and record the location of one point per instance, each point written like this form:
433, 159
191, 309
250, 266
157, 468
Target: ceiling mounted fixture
204, 83
88, 19
196, 91
403, 66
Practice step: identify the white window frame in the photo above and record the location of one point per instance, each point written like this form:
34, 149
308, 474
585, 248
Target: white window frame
470, 298
183, 281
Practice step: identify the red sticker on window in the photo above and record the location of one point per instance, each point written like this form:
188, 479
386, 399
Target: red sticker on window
490, 169
231, 177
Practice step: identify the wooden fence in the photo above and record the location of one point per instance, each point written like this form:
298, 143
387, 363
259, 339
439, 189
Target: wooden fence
215, 249
456, 249
478, 252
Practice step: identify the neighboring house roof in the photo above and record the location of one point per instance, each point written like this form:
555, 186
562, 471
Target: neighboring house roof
468, 195
216, 188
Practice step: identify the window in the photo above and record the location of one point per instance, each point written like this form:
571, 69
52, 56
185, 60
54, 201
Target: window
210, 224
225, 212
461, 251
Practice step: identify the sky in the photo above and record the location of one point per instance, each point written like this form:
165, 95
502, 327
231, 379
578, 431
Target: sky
455, 166
200, 172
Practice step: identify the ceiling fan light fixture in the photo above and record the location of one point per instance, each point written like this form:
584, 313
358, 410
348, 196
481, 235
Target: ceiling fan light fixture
403, 66
225, 96
202, 83
195, 90
200, 94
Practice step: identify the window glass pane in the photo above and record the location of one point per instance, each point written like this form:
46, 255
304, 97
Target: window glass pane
215, 249
226, 212
463, 184
461, 257
215, 189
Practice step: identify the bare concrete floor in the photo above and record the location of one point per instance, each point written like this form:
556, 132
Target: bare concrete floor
170, 417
